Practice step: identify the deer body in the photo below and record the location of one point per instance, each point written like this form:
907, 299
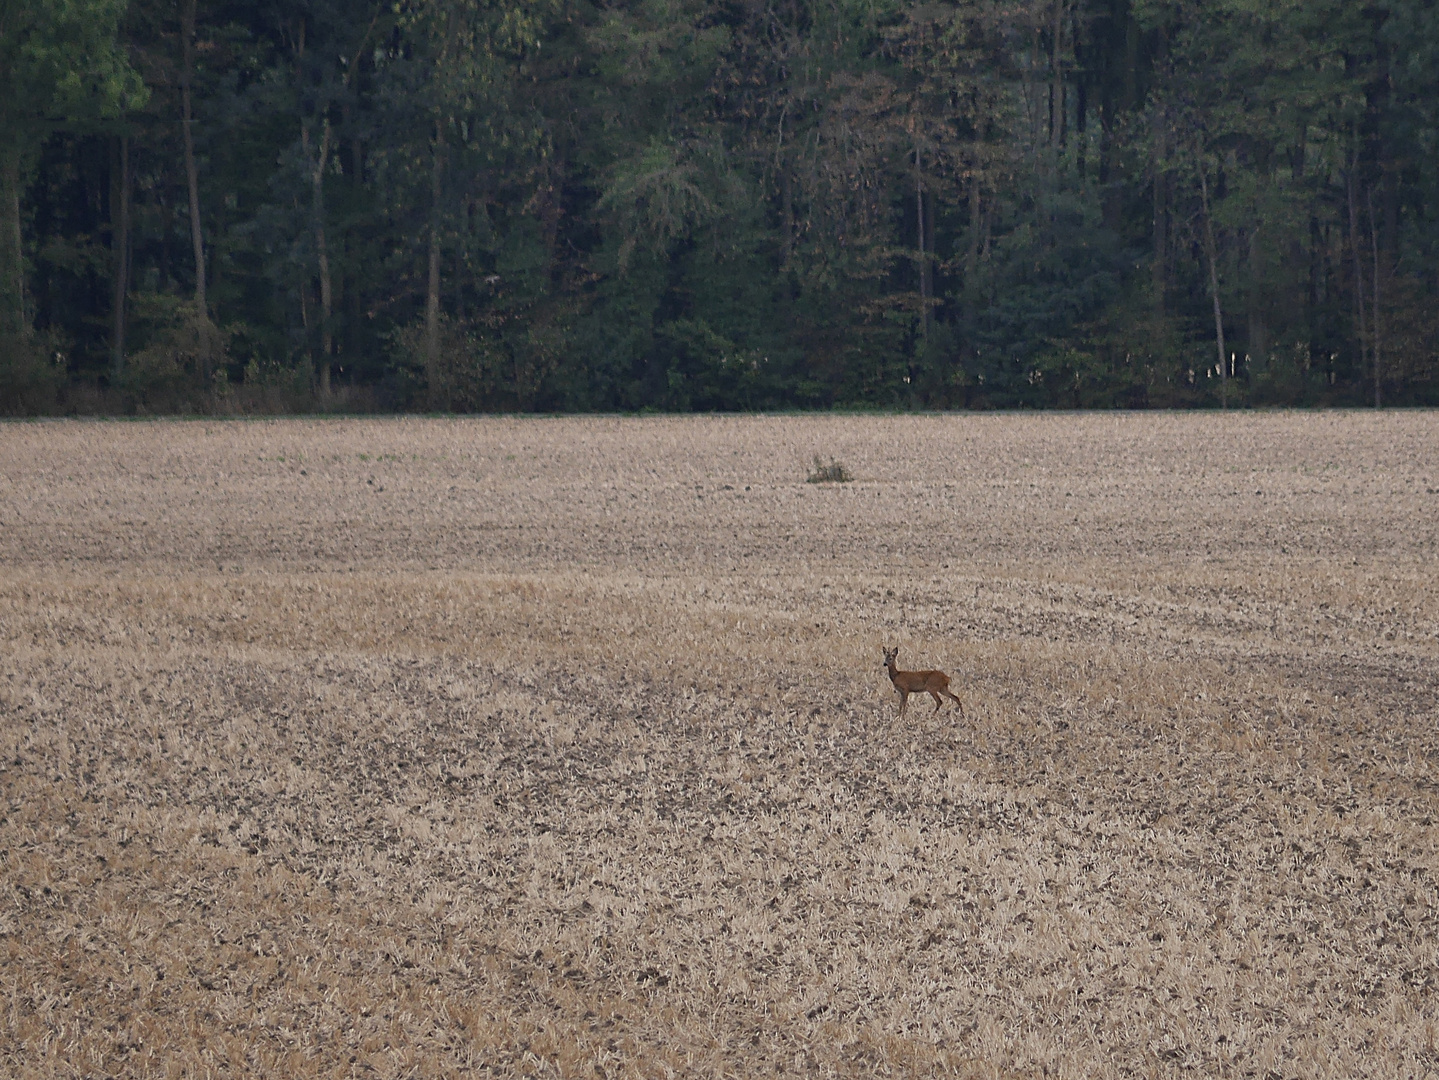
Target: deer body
933, 683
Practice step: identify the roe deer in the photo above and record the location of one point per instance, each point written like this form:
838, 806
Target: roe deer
933, 683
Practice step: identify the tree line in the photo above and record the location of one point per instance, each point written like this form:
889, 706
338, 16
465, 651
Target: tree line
486, 205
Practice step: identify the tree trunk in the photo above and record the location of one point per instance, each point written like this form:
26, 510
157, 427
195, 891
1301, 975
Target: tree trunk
327, 292
192, 178
432, 287
1111, 192
969, 293
216, 270
432, 281
322, 255
1358, 270
1378, 337
1258, 342
120, 254
352, 291
787, 213
1131, 59
1159, 267
786, 188
12, 251
1213, 257
318, 167
971, 260
167, 231
461, 249
929, 243
1056, 95
305, 312
919, 229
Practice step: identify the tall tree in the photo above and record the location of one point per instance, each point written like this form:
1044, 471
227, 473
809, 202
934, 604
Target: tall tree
325, 72
60, 65
471, 49
730, 203
120, 189
192, 173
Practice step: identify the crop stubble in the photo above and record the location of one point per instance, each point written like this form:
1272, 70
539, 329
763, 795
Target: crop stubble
563, 747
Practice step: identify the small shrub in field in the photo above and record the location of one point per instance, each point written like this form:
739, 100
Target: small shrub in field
833, 473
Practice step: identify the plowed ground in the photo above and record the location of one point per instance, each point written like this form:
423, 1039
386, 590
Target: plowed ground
561, 747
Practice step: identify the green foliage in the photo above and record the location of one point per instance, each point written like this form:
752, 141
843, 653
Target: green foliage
481, 205
661, 196
60, 64
1055, 268
475, 368
32, 375
709, 372
180, 365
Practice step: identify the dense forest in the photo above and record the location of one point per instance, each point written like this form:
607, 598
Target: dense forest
484, 205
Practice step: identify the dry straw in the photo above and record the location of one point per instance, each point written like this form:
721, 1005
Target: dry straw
564, 748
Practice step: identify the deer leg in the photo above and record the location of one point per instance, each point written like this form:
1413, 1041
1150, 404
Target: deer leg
938, 701
903, 701
956, 701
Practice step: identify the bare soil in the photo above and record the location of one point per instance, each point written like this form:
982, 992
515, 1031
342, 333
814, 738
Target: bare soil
563, 747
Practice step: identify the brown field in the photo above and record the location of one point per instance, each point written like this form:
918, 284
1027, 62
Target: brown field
562, 747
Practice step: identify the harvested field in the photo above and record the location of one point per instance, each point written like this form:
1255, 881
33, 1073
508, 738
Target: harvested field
562, 747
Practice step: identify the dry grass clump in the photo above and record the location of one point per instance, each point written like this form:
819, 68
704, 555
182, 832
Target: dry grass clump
831, 473
564, 748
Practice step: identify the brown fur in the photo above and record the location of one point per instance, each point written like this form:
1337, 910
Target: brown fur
933, 683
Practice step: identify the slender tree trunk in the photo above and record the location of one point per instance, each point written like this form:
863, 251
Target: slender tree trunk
787, 212
1113, 206
192, 176
350, 289
461, 250
1258, 343
1056, 97
317, 165
352, 248
327, 291
167, 230
1358, 270
929, 243
971, 261
1378, 336
786, 189
432, 282
120, 254
1029, 74
1213, 257
216, 270
923, 260
12, 251
432, 287
1159, 267
1131, 59
970, 292
1159, 264
305, 311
